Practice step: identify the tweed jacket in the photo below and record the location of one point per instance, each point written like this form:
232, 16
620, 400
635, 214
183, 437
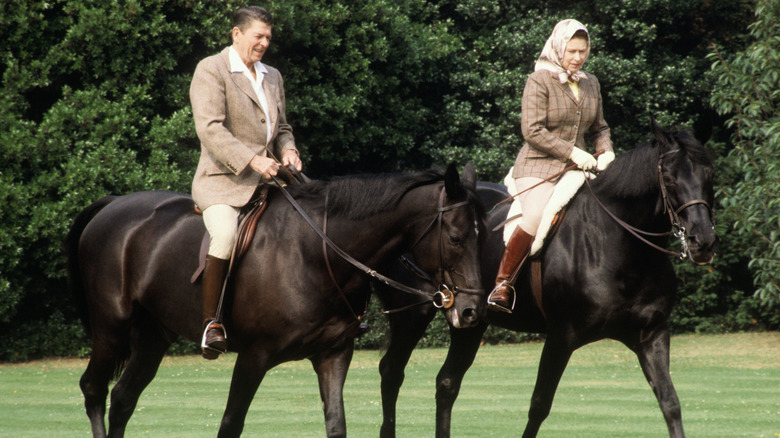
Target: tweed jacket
554, 121
230, 124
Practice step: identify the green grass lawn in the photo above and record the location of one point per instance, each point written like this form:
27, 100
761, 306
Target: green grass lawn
729, 386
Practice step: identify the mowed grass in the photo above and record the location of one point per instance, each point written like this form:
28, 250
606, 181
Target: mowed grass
729, 386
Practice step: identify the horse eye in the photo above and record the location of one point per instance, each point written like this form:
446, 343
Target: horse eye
455, 240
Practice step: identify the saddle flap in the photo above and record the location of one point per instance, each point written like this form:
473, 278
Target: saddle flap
247, 225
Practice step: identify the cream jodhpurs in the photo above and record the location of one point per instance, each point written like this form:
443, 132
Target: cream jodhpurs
221, 222
533, 201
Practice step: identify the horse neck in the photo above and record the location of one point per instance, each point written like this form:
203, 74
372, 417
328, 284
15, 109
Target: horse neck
391, 232
631, 189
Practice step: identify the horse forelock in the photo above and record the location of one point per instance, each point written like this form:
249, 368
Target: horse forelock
692, 148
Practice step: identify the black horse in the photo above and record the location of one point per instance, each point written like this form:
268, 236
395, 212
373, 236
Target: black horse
599, 281
131, 258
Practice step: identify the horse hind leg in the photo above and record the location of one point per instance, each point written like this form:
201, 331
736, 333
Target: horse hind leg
106, 361
149, 344
653, 354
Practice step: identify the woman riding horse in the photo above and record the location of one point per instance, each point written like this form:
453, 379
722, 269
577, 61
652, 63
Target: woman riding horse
561, 107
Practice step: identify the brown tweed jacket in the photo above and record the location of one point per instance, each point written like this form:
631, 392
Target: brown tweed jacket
230, 124
553, 121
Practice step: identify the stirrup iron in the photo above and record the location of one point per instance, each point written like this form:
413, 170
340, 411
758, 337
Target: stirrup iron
498, 307
205, 347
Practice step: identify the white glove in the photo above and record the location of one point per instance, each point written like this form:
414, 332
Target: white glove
605, 159
582, 159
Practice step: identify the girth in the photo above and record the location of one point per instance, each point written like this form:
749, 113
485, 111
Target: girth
247, 225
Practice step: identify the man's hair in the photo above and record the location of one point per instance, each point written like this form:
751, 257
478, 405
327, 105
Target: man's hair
244, 17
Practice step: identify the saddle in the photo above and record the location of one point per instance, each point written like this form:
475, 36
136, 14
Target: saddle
247, 225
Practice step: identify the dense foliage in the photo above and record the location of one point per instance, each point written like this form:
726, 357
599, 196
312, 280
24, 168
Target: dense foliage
748, 91
95, 101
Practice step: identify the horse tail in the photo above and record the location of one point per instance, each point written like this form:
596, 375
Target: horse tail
75, 283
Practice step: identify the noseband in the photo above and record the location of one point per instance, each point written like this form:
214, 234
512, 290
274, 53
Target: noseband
678, 230
445, 296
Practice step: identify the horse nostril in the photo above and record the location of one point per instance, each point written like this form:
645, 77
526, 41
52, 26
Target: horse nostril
470, 316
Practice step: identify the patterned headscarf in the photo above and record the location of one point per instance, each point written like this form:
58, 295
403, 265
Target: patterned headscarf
552, 53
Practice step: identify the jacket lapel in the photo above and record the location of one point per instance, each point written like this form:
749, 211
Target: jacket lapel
243, 84
271, 89
239, 80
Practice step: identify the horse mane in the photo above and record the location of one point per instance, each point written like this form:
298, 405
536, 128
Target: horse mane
634, 173
365, 195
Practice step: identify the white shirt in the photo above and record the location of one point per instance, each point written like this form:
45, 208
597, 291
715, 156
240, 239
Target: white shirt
238, 66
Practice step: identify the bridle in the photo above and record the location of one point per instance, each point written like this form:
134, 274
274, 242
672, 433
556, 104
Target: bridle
443, 298
678, 231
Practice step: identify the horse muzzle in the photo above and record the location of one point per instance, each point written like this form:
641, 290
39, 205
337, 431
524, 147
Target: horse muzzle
702, 248
463, 315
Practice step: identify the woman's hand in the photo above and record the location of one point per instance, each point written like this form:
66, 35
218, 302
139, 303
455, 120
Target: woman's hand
605, 159
582, 159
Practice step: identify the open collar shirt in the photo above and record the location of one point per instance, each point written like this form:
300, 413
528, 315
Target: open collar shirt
238, 66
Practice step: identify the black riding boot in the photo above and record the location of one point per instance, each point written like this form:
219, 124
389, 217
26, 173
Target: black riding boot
214, 340
503, 296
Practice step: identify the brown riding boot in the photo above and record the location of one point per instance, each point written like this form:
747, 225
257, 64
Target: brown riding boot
503, 296
214, 340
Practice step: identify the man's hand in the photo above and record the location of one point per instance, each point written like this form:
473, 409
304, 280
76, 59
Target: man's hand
264, 166
290, 156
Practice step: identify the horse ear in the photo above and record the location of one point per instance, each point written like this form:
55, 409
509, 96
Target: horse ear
452, 183
469, 176
703, 127
661, 136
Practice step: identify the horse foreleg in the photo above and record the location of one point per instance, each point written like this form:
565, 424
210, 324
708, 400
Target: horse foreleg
405, 332
149, 347
464, 344
653, 354
331, 371
555, 356
248, 373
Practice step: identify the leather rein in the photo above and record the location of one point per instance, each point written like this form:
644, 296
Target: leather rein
443, 298
677, 231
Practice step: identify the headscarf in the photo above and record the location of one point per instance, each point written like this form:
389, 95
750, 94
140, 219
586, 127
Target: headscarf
552, 53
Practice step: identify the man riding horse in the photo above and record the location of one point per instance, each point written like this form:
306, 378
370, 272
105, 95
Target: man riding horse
239, 109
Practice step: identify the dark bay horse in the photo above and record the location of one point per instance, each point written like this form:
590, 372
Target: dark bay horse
599, 281
131, 258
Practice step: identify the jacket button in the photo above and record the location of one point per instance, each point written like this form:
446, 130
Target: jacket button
262, 120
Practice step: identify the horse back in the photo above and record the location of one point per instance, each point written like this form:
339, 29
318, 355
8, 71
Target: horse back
140, 249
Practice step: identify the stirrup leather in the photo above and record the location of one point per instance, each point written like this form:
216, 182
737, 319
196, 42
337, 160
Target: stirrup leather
495, 305
212, 325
